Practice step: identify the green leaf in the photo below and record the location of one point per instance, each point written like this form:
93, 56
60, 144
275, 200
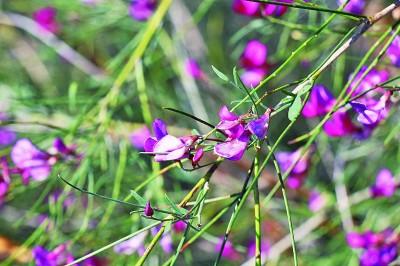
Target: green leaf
304, 87
178, 210
295, 108
219, 74
138, 198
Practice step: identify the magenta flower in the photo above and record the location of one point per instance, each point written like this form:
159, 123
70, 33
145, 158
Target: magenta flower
197, 157
7, 137
320, 102
134, 244
354, 6
179, 226
356, 240
170, 148
230, 123
393, 52
339, 125
246, 8
139, 136
232, 150
31, 161
259, 126
142, 10
229, 251
316, 201
254, 55
385, 184
46, 18
275, 10
148, 210
193, 69
371, 80
58, 256
297, 174
252, 77
59, 148
367, 116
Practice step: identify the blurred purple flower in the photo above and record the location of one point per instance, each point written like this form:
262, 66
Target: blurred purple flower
251, 248
142, 10
229, 251
134, 244
193, 69
46, 17
56, 257
139, 136
160, 131
179, 226
385, 184
60, 148
259, 126
7, 137
166, 243
393, 52
371, 80
356, 240
246, 8
339, 125
31, 161
275, 10
252, 77
320, 102
316, 201
254, 55
298, 173
354, 6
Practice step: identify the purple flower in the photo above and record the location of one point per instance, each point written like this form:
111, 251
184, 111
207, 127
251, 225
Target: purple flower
393, 52
7, 137
4, 179
246, 8
319, 103
232, 150
58, 256
142, 10
366, 116
252, 77
60, 148
251, 248
229, 251
179, 226
316, 201
166, 243
197, 157
230, 123
356, 240
134, 244
170, 148
339, 125
254, 55
193, 69
385, 184
371, 80
139, 136
46, 18
31, 161
275, 10
259, 127
160, 131
148, 210
299, 171
354, 6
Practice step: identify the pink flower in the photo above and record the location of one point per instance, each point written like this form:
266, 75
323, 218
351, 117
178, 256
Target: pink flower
246, 8
259, 126
46, 17
232, 150
169, 148
393, 52
254, 54
139, 136
276, 10
298, 173
385, 184
58, 256
339, 125
316, 201
252, 77
193, 69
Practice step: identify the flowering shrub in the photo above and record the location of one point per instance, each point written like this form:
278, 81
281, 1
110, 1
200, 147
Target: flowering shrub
246, 132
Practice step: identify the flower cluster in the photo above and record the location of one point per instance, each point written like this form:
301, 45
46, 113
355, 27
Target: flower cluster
254, 62
379, 249
253, 9
371, 105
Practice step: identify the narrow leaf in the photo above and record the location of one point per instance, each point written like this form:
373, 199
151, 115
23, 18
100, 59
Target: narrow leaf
295, 108
219, 74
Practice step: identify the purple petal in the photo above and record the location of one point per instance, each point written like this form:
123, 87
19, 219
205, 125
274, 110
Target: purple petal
141, 10
252, 77
225, 115
339, 125
169, 148
246, 8
197, 156
385, 184
254, 55
46, 17
148, 210
229, 251
354, 6
275, 10
160, 128
316, 201
193, 68
393, 52
259, 127
179, 226
231, 150
355, 240
166, 244
7, 137
319, 103
139, 137
149, 144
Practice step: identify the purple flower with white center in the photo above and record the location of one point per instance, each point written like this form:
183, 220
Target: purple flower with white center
134, 244
259, 126
31, 161
393, 52
299, 171
385, 184
229, 251
339, 125
170, 148
252, 77
139, 136
58, 256
193, 69
320, 102
142, 10
254, 55
251, 248
275, 10
148, 210
354, 6
46, 18
246, 8
366, 116
160, 131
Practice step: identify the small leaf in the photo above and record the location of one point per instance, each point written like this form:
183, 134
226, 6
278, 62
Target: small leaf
177, 209
295, 108
138, 198
304, 87
219, 74
235, 77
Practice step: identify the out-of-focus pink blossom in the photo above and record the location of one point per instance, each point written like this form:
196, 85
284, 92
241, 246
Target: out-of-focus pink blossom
385, 184
320, 102
246, 8
339, 125
46, 18
142, 10
139, 136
